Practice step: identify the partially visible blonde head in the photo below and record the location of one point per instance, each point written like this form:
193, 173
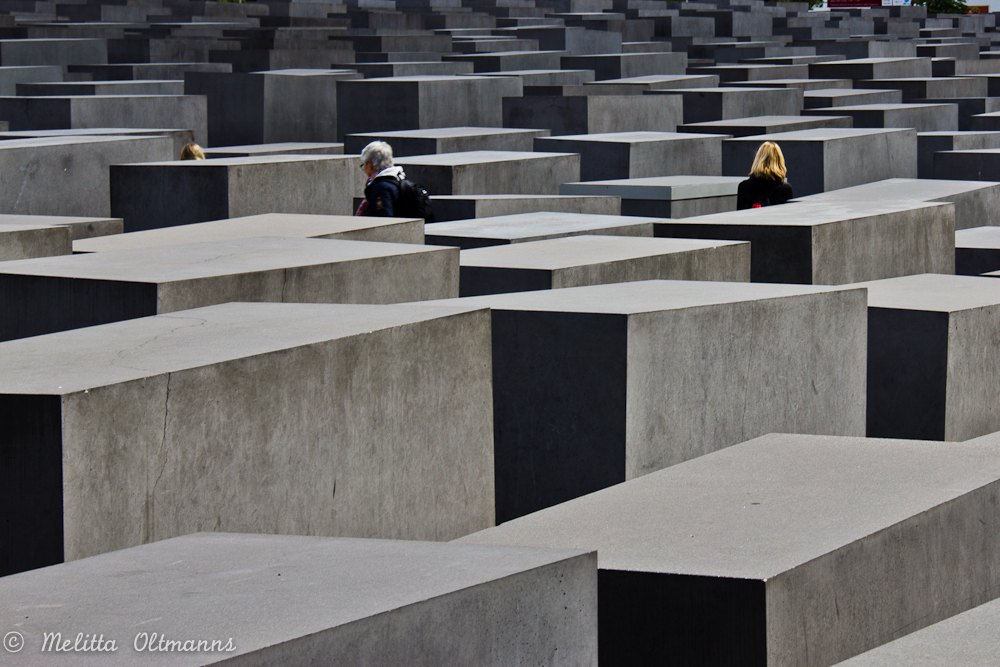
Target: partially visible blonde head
192, 151
769, 163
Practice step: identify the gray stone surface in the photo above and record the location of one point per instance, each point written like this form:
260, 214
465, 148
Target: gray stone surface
27, 240
67, 88
68, 176
596, 385
660, 82
464, 207
79, 228
968, 165
11, 76
151, 195
288, 225
922, 117
933, 357
665, 196
929, 143
977, 251
448, 140
872, 68
56, 294
287, 148
523, 227
62, 52
299, 429
706, 104
351, 601
179, 136
617, 155
792, 549
493, 172
597, 260
918, 88
842, 97
626, 65
594, 114
833, 242
745, 127
827, 159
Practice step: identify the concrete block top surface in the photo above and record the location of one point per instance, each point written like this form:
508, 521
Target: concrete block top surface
72, 361
648, 296
472, 157
428, 78
446, 132
530, 225
563, 253
71, 140
293, 225
235, 161
191, 261
806, 213
886, 106
845, 92
936, 292
902, 189
261, 590
821, 134
310, 72
969, 639
630, 137
277, 148
761, 121
100, 132
757, 509
977, 237
14, 220
658, 187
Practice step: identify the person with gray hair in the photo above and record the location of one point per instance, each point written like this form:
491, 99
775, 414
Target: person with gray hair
382, 187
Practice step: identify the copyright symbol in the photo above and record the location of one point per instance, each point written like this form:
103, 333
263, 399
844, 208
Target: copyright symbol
13, 642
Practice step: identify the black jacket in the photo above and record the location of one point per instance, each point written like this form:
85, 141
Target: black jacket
766, 192
381, 195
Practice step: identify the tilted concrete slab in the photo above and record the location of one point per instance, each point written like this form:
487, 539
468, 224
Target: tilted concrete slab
872, 68
523, 227
665, 196
55, 294
448, 140
492, 172
977, 251
79, 228
464, 207
707, 104
930, 143
289, 599
25, 240
934, 357
968, 165
105, 425
833, 242
594, 113
745, 127
596, 385
180, 136
922, 117
787, 549
597, 260
842, 97
287, 148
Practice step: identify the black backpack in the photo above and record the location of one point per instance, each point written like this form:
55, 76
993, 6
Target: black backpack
413, 202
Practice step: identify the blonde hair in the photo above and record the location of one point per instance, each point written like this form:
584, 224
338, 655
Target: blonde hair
192, 151
769, 163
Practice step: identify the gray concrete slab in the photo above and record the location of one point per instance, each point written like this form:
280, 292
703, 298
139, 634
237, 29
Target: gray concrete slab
62, 52
968, 165
977, 251
64, 88
617, 155
665, 196
596, 385
929, 143
11, 76
922, 117
745, 127
179, 136
660, 82
872, 68
825, 159
783, 546
626, 65
976, 202
79, 228
464, 207
707, 104
548, 77
150, 195
68, 176
287, 148
595, 113
448, 140
803, 84
288, 225
26, 240
840, 97
917, 88
933, 357
833, 242
57, 294
493, 172
597, 260
524, 227
292, 429
336, 597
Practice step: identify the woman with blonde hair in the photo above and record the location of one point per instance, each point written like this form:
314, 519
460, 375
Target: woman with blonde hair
767, 185
192, 151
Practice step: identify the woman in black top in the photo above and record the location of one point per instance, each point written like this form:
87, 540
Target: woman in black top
766, 185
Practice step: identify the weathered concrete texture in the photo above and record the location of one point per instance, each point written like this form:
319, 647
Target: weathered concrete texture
67, 88
922, 117
68, 176
968, 165
597, 260
968, 639
62, 52
321, 428
27, 240
56, 294
448, 140
706, 104
288, 148
291, 599
785, 550
102, 111
627, 65
842, 97
79, 228
929, 143
977, 251
11, 76
179, 136
976, 202
833, 242
547, 77
665, 196
618, 155
918, 88
872, 68
500, 61
594, 114
464, 207
524, 227
745, 127
934, 357
422, 102
492, 172
827, 159
288, 225
985, 122
596, 385
804, 84
163, 194
660, 82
